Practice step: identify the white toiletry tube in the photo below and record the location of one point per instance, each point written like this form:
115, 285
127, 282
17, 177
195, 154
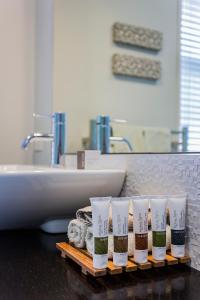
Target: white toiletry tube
100, 221
158, 212
120, 208
140, 227
177, 209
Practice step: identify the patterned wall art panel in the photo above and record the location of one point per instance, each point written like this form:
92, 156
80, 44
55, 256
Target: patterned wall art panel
129, 65
161, 174
137, 36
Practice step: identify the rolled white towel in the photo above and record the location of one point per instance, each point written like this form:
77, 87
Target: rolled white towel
76, 233
90, 241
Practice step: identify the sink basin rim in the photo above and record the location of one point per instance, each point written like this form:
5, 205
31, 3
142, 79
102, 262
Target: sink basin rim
33, 170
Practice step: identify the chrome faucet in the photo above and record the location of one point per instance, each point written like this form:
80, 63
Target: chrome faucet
103, 136
57, 137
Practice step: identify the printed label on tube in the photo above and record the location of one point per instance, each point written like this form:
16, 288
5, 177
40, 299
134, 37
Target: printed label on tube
159, 238
158, 209
100, 214
120, 230
140, 224
100, 245
121, 244
177, 207
177, 237
141, 241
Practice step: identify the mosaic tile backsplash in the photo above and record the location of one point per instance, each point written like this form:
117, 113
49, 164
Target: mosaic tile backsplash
165, 174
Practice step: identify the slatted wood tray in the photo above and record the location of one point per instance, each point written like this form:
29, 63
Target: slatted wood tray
84, 260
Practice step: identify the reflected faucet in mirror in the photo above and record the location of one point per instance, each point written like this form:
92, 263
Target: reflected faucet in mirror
101, 136
105, 133
57, 137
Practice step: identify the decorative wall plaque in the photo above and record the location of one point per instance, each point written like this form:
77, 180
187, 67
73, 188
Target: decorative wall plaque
136, 66
137, 36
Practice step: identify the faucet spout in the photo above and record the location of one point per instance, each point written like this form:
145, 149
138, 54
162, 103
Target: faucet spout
122, 140
36, 137
103, 132
57, 137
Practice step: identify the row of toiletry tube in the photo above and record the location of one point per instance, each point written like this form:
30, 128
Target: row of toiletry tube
140, 204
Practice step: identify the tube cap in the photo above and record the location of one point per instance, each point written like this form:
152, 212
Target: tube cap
140, 256
159, 253
178, 250
100, 261
120, 259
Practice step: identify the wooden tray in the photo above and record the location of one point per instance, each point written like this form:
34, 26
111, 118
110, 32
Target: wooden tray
84, 260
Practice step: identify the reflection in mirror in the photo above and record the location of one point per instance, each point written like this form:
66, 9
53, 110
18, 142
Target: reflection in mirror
161, 111
132, 60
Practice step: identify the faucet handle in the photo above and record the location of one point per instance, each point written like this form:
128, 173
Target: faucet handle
49, 116
118, 121
57, 117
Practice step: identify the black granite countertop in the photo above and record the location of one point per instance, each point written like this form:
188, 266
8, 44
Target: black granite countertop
31, 268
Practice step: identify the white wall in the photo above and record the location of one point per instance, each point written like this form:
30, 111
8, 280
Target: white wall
17, 19
26, 30
83, 82
43, 76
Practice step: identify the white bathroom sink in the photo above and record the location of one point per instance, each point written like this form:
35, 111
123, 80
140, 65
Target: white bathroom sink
30, 196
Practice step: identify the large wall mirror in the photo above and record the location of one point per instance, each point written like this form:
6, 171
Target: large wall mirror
127, 74
157, 115
85, 86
